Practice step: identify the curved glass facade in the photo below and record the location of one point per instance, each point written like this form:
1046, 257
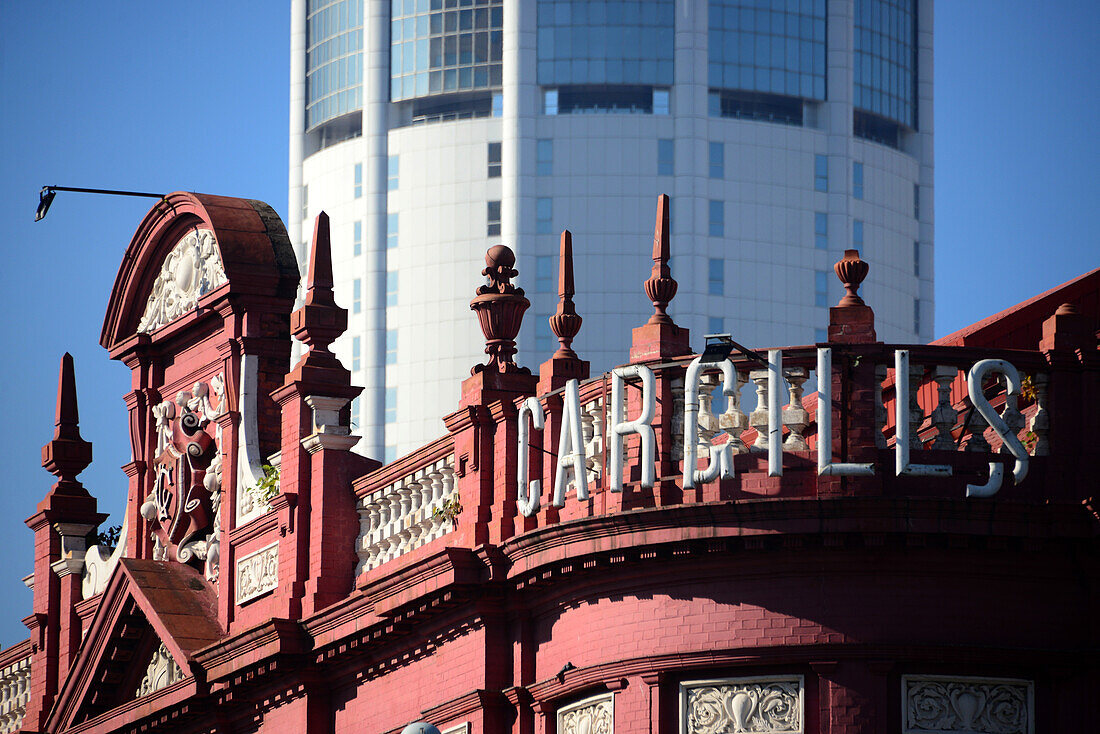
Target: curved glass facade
444, 46
885, 59
334, 59
768, 46
606, 42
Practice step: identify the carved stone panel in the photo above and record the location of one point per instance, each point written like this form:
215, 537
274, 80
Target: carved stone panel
257, 573
760, 704
191, 270
161, 672
957, 704
594, 715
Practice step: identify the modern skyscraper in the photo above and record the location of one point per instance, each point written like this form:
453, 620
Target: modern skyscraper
785, 131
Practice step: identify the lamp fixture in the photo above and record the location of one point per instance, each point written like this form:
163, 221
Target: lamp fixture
719, 346
45, 197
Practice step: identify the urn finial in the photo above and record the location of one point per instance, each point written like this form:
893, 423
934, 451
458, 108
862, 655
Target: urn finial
499, 306
851, 271
660, 287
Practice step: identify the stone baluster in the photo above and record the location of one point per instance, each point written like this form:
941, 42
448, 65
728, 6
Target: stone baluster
734, 421
677, 418
916, 415
425, 522
944, 416
1040, 420
708, 421
796, 417
594, 445
1011, 414
880, 407
974, 441
406, 492
758, 419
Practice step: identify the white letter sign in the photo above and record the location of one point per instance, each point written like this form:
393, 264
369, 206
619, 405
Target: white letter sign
527, 494
571, 446
640, 425
721, 457
977, 397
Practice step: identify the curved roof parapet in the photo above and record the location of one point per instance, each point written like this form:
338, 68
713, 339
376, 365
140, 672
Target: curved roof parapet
190, 245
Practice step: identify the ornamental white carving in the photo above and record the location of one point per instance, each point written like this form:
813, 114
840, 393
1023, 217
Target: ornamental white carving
257, 573
249, 466
15, 692
161, 672
100, 562
191, 270
962, 704
762, 704
595, 715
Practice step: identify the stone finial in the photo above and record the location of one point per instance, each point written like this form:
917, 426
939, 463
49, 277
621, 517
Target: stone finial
499, 306
565, 322
319, 321
851, 271
67, 454
661, 288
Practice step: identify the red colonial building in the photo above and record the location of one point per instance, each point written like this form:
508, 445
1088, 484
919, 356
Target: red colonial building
689, 543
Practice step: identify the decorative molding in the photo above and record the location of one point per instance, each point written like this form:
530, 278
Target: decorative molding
161, 672
191, 270
763, 704
184, 507
15, 693
100, 562
249, 465
965, 704
460, 729
593, 715
257, 573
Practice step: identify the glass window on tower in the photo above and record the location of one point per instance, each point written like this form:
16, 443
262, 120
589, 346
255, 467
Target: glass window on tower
393, 169
494, 160
717, 152
665, 153
544, 215
606, 56
357, 239
767, 49
821, 288
439, 47
356, 296
355, 352
544, 274
544, 159
857, 179
716, 276
392, 223
717, 218
334, 60
821, 173
886, 59
492, 222
391, 288
821, 230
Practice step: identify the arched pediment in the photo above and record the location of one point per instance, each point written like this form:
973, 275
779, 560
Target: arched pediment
189, 246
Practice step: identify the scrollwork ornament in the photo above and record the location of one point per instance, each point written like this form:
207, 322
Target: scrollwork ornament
191, 270
733, 705
965, 704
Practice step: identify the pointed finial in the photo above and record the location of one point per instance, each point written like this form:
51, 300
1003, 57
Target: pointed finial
320, 320
565, 323
851, 271
319, 281
67, 454
660, 287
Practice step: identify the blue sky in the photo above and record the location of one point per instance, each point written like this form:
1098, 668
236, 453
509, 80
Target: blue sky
160, 97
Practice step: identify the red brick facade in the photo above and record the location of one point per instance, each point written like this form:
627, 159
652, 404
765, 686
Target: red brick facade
355, 597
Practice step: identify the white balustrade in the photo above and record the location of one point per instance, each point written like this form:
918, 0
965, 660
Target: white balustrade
15, 692
405, 515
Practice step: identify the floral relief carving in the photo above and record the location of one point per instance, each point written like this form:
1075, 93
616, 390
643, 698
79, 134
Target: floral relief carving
953, 705
257, 573
161, 672
595, 715
191, 270
730, 705
184, 508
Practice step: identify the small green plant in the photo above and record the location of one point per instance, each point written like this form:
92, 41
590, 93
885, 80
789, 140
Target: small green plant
449, 509
1030, 440
265, 489
107, 537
